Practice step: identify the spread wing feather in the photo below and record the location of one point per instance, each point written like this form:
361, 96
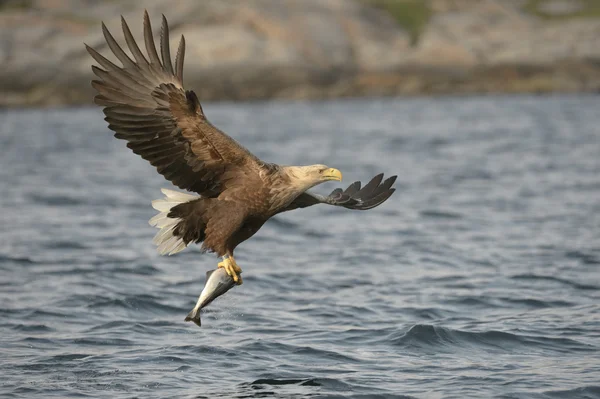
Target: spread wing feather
146, 104
371, 195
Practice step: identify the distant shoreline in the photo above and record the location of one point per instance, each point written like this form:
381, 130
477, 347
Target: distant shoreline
409, 82
315, 49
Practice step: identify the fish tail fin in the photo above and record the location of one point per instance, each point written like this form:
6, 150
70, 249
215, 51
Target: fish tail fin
194, 316
167, 239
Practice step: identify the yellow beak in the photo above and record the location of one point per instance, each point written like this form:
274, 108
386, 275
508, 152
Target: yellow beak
332, 174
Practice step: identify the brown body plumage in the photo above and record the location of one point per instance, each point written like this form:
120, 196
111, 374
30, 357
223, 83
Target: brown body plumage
146, 104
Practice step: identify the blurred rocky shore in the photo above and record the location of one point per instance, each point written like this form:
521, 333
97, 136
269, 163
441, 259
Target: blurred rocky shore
261, 49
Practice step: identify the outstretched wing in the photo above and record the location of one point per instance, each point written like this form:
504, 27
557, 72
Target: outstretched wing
145, 103
371, 195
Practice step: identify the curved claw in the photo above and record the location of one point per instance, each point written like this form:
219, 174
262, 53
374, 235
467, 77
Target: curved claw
232, 269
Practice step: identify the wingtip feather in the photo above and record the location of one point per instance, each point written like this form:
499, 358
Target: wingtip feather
165, 49
149, 41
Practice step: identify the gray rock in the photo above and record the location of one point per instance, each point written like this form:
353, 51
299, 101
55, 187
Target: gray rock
561, 7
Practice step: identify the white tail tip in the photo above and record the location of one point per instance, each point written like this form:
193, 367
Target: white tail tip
167, 243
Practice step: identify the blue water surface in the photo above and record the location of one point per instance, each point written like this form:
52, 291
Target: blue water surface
479, 277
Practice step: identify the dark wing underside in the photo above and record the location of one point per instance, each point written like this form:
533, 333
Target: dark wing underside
371, 195
146, 105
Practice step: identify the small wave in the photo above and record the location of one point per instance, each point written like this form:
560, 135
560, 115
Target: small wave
80, 300
367, 396
586, 258
434, 338
143, 270
111, 325
440, 214
40, 313
538, 277
102, 341
65, 245
138, 302
314, 234
308, 351
284, 223
284, 381
129, 324
589, 392
472, 174
22, 260
452, 278
67, 357
38, 340
203, 350
66, 271
472, 301
327, 383
287, 386
55, 200
537, 303
428, 313
32, 328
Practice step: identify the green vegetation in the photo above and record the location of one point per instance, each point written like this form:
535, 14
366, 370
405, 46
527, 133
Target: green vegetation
412, 15
15, 4
588, 9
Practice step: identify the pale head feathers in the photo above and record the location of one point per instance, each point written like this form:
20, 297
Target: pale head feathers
305, 177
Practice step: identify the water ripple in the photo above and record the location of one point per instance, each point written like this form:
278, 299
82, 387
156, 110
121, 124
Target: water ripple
432, 338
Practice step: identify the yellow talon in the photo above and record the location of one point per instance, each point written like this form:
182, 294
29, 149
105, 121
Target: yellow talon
232, 269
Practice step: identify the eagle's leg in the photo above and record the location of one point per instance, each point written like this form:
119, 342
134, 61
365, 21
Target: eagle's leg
231, 268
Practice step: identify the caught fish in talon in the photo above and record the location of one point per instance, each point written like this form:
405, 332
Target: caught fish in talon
218, 282
231, 268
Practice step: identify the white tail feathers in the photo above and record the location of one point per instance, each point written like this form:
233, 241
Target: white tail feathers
167, 243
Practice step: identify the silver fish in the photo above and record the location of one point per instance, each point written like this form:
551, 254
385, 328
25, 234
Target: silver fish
217, 283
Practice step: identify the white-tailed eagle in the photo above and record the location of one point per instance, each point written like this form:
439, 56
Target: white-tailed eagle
146, 104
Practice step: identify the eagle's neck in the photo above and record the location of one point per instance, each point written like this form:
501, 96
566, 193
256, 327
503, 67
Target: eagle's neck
286, 185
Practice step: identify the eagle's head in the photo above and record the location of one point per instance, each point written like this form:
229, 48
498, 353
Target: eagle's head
305, 177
